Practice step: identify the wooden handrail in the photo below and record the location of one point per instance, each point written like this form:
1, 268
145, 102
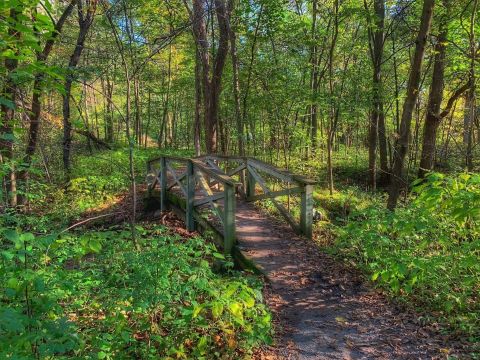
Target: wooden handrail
281, 173
222, 178
247, 167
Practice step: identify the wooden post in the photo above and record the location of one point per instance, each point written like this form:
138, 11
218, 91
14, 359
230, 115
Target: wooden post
229, 219
163, 183
306, 211
189, 219
251, 182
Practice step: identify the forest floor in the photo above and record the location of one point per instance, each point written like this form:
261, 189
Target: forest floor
325, 310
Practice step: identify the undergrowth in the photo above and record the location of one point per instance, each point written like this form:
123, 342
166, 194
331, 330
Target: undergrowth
92, 295
95, 294
427, 253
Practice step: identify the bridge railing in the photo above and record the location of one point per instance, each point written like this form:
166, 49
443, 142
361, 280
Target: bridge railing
257, 179
200, 186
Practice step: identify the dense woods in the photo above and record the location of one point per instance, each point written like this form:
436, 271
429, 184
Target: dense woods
376, 100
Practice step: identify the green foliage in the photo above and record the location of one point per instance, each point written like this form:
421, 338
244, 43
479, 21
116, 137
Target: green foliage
427, 252
92, 295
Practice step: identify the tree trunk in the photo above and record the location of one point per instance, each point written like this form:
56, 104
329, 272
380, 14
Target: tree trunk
6, 125
470, 103
198, 102
216, 82
236, 85
314, 62
432, 120
109, 128
203, 45
136, 94
84, 22
384, 177
334, 111
376, 49
401, 147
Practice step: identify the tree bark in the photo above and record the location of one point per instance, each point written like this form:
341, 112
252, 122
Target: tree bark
85, 20
314, 63
236, 85
6, 125
401, 148
219, 64
470, 103
432, 120
376, 52
198, 102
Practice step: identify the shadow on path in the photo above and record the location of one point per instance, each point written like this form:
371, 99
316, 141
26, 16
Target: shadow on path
325, 311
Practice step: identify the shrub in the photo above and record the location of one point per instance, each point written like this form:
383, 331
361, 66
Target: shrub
427, 251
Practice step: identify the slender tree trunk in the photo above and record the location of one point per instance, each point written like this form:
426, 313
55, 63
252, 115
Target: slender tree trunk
432, 120
236, 85
334, 111
470, 103
198, 102
401, 148
84, 22
109, 127
203, 46
163, 126
376, 49
8, 115
149, 116
384, 177
314, 63
136, 94
251, 124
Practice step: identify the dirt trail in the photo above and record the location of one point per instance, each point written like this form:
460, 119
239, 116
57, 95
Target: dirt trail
324, 310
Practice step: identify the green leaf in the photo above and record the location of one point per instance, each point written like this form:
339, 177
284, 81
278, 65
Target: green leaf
8, 103
196, 310
218, 255
237, 311
13, 283
27, 237
95, 246
217, 310
11, 235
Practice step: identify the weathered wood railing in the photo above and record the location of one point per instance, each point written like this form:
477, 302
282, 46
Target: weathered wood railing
253, 174
200, 186
202, 181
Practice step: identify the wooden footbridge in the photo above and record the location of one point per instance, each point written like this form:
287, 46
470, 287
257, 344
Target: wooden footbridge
211, 192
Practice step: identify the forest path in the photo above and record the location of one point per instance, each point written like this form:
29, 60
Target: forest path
325, 311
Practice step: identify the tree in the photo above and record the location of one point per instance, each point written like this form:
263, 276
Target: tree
401, 148
8, 113
86, 13
211, 83
434, 114
36, 107
236, 83
376, 43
